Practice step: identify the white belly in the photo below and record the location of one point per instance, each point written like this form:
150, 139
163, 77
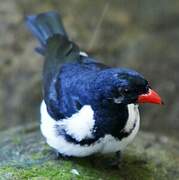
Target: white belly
107, 144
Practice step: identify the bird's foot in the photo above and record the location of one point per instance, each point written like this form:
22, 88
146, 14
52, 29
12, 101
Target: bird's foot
116, 162
60, 156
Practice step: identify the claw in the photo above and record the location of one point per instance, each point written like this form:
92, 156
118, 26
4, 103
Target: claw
115, 163
60, 156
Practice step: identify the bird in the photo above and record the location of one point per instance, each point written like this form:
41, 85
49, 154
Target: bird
88, 107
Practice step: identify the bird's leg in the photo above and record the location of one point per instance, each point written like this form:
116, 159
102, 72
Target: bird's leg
60, 156
117, 161
119, 157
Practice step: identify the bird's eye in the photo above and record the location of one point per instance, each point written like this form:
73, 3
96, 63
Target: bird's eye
126, 90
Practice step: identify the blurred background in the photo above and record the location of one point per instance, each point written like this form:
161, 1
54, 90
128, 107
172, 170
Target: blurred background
139, 34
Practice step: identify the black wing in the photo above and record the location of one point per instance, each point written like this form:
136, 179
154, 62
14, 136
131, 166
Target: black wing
59, 50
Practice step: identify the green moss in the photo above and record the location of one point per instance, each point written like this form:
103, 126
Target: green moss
49, 170
29, 157
132, 168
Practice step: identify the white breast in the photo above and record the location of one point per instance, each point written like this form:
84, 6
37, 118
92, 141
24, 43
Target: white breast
112, 144
80, 126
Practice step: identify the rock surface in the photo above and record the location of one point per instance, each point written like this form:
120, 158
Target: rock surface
25, 155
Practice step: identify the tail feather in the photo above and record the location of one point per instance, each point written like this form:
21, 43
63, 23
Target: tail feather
45, 26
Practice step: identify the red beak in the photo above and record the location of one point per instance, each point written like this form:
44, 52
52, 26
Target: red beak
150, 97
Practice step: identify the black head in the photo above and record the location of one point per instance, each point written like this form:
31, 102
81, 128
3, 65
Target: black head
122, 86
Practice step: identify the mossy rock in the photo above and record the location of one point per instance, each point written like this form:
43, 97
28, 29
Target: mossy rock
25, 155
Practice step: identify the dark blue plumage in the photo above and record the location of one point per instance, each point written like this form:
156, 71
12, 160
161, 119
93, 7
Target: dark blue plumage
44, 26
71, 80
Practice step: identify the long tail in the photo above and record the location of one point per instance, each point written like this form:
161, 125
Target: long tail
44, 26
